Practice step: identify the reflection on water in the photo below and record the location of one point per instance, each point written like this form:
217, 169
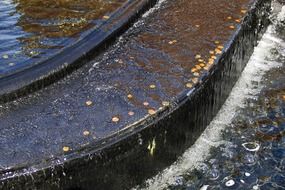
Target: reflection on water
37, 28
244, 146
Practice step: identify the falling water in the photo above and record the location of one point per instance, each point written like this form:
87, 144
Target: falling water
247, 136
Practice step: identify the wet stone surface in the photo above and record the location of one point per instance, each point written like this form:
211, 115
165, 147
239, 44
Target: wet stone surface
164, 55
32, 30
254, 155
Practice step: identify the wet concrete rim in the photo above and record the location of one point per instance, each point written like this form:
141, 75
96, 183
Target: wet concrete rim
119, 137
72, 57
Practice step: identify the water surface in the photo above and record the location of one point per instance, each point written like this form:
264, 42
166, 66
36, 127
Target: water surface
244, 146
32, 30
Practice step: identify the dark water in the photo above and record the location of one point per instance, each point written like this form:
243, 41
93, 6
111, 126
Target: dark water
244, 146
31, 30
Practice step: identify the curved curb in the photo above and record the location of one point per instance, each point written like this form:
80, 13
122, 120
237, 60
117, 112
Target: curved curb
53, 68
118, 155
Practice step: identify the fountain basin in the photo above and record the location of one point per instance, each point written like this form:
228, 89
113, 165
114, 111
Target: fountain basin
122, 112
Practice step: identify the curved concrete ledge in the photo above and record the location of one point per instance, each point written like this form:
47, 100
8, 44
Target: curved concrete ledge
129, 152
39, 75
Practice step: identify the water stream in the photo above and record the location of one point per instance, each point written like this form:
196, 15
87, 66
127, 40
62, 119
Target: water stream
244, 146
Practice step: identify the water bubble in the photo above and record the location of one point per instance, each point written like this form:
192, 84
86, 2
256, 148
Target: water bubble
251, 146
247, 174
230, 183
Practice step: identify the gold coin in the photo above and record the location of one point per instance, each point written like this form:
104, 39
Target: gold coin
86, 133
131, 113
65, 148
88, 103
196, 74
220, 47
145, 103
106, 17
151, 111
189, 85
197, 56
115, 119
172, 42
198, 67
195, 80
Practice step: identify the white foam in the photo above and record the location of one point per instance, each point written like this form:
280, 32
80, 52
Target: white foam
281, 15
248, 86
153, 9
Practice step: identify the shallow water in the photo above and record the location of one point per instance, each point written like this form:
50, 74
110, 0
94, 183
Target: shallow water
163, 56
244, 146
31, 30
148, 68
